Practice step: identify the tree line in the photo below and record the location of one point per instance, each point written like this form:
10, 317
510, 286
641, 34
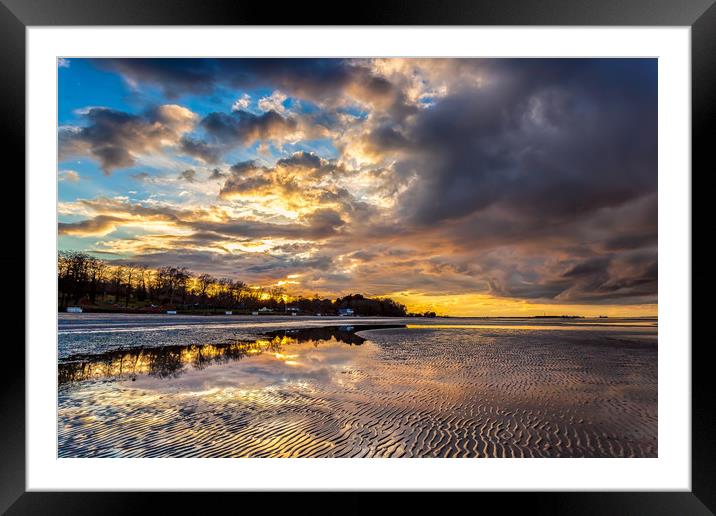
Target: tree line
96, 284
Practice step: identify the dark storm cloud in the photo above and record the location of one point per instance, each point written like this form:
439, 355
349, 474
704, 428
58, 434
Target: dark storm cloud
238, 169
595, 267
556, 154
631, 241
174, 76
571, 138
301, 159
319, 80
246, 178
578, 261
198, 148
387, 137
309, 165
242, 127
616, 278
116, 138
632, 277
177, 76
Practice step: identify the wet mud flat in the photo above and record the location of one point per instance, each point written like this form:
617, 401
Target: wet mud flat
447, 389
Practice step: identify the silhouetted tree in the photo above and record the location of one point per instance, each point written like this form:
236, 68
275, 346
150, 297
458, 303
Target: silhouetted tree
85, 279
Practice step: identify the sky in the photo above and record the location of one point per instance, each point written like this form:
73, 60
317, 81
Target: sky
476, 187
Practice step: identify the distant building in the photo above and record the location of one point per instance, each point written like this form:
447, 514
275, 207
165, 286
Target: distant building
343, 312
74, 309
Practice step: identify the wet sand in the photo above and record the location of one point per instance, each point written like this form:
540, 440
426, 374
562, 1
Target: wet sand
148, 386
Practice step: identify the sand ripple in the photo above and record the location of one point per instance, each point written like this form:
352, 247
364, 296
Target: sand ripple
402, 393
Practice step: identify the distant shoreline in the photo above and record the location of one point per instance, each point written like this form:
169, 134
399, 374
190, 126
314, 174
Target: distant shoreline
244, 312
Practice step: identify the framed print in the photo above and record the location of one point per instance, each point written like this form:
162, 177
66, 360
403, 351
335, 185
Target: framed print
436, 250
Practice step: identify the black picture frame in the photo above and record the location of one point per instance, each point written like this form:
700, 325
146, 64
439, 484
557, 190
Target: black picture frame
16, 15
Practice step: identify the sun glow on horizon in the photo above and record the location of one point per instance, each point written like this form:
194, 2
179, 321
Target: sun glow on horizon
485, 305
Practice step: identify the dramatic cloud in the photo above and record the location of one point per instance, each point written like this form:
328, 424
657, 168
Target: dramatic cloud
553, 149
527, 182
325, 81
115, 138
199, 149
229, 130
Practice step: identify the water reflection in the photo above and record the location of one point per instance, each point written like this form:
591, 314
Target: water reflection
173, 361
344, 333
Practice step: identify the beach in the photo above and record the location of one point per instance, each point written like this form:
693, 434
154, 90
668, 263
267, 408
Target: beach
270, 386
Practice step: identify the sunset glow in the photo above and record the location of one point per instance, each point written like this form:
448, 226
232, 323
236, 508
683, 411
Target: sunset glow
472, 187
